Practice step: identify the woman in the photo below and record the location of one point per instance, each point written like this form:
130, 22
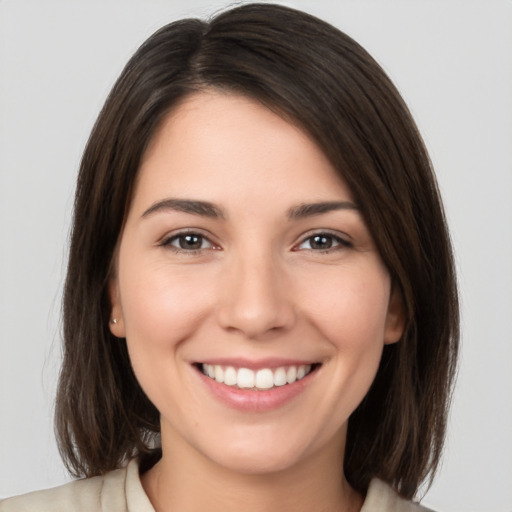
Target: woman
260, 309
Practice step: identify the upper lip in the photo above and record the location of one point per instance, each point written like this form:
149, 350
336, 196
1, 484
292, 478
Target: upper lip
255, 364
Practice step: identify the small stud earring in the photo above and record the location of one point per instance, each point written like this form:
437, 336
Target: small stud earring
113, 321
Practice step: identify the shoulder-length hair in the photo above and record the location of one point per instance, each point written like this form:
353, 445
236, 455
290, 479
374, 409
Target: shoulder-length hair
317, 77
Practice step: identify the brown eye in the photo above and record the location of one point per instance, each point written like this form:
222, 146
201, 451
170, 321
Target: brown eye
323, 242
188, 242
193, 242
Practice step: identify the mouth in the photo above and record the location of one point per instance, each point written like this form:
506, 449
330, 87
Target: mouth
261, 379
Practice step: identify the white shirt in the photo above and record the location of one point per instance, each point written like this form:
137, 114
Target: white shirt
121, 491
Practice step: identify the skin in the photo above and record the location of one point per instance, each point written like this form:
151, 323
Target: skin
257, 287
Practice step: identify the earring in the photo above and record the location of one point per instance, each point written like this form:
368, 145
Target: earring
113, 321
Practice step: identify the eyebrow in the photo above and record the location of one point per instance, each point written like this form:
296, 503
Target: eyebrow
310, 209
203, 208
207, 209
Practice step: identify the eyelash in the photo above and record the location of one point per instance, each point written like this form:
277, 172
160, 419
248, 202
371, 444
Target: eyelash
340, 242
168, 242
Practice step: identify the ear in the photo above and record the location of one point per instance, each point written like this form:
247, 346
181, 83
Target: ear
395, 319
116, 322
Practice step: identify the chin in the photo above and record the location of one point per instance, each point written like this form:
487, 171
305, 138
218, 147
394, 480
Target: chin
257, 464
259, 457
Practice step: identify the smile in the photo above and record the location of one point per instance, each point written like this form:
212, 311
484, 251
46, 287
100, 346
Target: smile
261, 379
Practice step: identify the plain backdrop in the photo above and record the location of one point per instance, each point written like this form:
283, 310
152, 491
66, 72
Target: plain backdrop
452, 61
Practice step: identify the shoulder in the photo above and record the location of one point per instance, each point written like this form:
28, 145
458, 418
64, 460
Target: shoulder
100, 493
382, 498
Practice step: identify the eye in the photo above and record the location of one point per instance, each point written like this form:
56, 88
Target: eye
323, 242
188, 242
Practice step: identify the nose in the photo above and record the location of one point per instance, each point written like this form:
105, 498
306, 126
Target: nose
255, 300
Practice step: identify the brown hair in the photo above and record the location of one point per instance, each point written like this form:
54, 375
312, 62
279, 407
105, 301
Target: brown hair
319, 78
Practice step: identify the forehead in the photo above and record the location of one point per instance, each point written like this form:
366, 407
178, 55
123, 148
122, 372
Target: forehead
221, 144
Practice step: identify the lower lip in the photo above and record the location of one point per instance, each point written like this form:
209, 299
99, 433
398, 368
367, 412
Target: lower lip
256, 400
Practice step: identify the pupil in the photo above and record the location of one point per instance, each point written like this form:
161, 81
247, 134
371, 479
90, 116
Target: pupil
321, 242
190, 242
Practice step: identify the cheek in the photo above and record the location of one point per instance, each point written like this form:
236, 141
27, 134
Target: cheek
349, 307
161, 310
161, 306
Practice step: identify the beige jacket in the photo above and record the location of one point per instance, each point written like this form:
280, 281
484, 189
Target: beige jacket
121, 491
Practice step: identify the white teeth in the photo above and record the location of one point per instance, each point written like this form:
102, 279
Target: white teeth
230, 376
265, 378
245, 378
219, 374
280, 377
291, 374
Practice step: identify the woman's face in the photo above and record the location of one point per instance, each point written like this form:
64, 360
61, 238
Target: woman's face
245, 259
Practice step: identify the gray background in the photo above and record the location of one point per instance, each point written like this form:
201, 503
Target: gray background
452, 60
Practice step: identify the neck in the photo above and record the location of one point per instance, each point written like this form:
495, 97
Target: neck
185, 480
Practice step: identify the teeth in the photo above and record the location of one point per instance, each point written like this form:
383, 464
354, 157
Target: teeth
219, 374
301, 372
280, 377
230, 376
244, 378
291, 374
265, 378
